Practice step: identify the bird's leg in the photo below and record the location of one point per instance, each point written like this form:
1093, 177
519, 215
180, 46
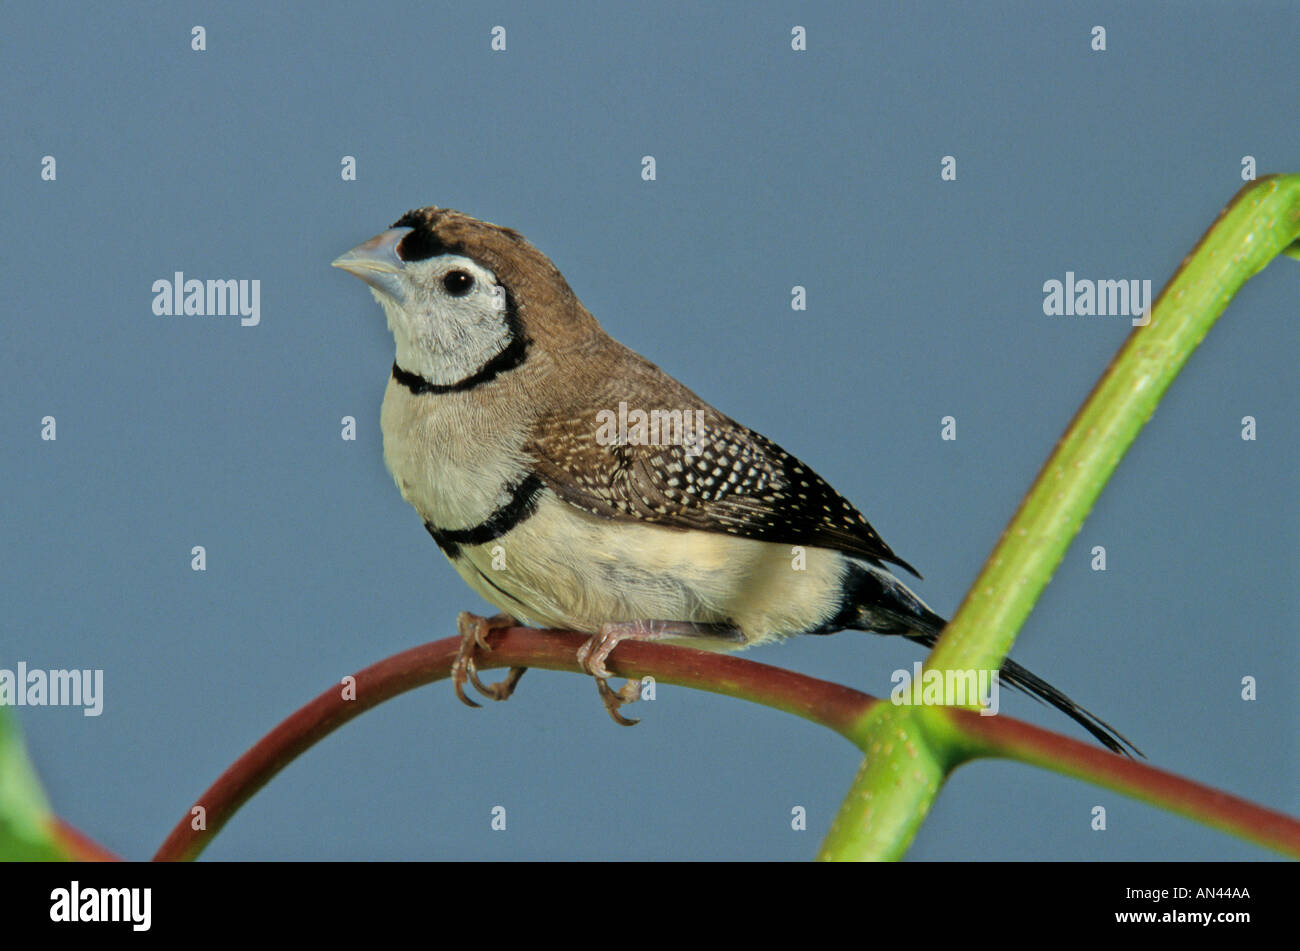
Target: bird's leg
593, 654
473, 635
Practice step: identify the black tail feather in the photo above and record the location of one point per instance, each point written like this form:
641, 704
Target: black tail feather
1027, 682
877, 601
1042, 691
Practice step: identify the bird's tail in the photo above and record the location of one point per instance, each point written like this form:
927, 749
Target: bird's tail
895, 609
1028, 682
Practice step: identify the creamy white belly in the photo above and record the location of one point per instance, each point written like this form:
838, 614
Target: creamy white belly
565, 568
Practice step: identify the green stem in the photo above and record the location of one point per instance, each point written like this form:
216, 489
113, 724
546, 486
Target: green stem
883, 809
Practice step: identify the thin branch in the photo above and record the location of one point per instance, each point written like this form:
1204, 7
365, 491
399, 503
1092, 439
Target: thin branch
832, 705
881, 814
820, 701
1261, 220
1013, 739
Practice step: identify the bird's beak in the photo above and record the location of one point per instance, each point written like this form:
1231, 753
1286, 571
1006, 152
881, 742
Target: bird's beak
376, 262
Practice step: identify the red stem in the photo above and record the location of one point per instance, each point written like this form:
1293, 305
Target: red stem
832, 705
1015, 739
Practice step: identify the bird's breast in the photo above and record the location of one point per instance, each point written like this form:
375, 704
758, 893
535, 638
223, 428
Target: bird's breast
451, 458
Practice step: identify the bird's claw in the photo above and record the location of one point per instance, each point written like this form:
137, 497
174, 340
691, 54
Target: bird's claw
592, 654
473, 636
591, 658
614, 699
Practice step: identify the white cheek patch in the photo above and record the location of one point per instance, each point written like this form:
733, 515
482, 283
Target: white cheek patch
461, 338
447, 339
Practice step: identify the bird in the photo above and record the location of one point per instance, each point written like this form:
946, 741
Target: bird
498, 429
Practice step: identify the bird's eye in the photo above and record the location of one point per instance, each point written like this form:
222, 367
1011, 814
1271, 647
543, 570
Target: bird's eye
457, 283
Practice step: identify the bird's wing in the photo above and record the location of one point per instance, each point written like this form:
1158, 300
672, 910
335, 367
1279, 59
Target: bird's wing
731, 479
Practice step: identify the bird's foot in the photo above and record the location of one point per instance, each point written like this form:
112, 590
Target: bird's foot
473, 636
593, 654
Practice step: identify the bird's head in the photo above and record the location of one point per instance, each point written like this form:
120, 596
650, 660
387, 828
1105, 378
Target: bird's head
462, 294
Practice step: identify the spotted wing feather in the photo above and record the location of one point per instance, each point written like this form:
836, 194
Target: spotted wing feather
732, 480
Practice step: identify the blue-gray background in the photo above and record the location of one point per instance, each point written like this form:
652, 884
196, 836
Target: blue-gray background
775, 168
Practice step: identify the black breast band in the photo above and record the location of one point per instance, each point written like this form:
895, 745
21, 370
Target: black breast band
521, 504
